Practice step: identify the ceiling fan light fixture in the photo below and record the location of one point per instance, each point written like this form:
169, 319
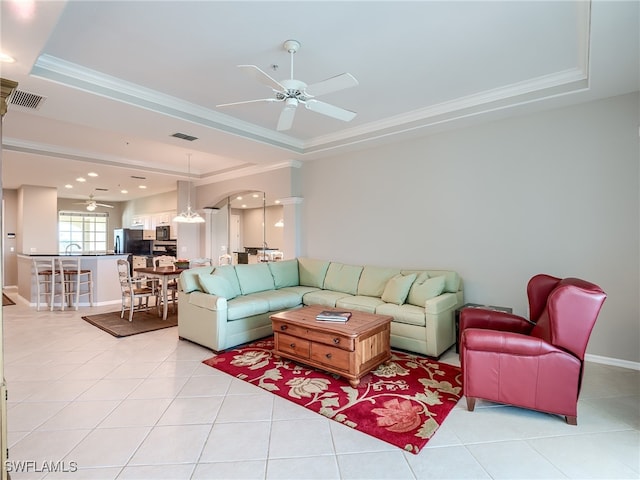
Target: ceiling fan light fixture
91, 207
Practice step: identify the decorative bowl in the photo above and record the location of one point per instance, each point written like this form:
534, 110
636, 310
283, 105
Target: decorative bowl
181, 264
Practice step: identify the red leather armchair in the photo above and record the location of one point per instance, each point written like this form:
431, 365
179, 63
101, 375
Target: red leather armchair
537, 363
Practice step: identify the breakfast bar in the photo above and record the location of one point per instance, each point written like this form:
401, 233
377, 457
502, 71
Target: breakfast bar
102, 265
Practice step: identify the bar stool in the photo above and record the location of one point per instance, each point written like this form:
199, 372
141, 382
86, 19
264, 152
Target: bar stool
44, 272
75, 281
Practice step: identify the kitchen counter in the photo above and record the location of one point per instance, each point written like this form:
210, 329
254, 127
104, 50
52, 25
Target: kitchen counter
103, 265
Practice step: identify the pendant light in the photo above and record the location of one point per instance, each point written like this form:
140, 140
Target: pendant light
188, 216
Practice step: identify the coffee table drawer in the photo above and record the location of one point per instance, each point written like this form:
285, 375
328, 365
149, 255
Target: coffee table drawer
334, 339
333, 357
292, 345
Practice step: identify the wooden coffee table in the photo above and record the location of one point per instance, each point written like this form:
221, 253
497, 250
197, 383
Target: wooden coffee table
350, 349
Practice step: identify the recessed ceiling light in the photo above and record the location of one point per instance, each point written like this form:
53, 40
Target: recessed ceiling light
244, 206
124, 191
92, 174
238, 198
4, 58
277, 201
255, 195
142, 186
80, 179
68, 185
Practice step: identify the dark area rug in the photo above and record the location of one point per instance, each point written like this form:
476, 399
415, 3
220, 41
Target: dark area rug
402, 403
7, 301
121, 327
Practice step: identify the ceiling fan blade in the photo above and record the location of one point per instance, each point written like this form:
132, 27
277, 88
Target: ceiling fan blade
249, 101
262, 77
330, 110
333, 84
104, 205
286, 118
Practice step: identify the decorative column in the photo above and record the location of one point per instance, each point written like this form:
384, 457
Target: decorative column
6, 88
292, 216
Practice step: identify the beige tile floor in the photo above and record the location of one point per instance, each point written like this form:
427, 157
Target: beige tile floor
145, 407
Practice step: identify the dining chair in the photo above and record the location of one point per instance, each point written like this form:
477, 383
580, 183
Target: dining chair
133, 292
172, 286
199, 262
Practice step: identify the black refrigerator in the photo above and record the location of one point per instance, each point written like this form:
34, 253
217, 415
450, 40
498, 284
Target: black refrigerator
129, 240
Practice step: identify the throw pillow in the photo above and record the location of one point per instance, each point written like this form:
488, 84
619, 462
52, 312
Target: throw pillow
228, 272
216, 285
420, 292
397, 288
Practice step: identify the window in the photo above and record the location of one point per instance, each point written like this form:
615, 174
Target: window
87, 230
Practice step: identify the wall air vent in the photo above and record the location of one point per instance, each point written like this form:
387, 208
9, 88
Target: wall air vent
23, 99
184, 136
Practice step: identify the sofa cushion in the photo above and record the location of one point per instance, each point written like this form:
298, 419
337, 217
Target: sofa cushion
312, 272
254, 278
397, 288
373, 280
189, 281
327, 298
279, 299
229, 273
300, 290
216, 285
409, 314
342, 278
246, 306
421, 291
359, 302
285, 273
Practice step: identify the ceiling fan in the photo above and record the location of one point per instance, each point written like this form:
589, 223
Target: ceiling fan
293, 92
92, 204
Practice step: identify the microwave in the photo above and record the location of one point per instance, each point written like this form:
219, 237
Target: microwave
163, 232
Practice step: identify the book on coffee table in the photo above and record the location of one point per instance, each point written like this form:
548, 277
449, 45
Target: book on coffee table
333, 316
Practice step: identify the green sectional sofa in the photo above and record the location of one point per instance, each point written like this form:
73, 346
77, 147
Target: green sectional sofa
226, 306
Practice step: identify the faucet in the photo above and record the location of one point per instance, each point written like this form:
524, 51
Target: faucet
68, 247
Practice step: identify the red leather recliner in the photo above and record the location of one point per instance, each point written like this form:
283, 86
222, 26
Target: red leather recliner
535, 364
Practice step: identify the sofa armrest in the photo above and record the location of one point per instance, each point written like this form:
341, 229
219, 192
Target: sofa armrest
493, 320
441, 303
509, 343
208, 301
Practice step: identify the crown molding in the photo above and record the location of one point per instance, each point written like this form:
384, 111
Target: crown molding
92, 81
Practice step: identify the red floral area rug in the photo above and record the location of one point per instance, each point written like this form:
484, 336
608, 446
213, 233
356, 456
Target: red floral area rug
402, 403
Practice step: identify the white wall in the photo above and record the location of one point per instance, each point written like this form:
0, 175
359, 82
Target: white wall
554, 192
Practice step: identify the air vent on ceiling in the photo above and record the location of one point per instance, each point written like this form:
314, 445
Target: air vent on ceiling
28, 100
138, 178
184, 136
102, 189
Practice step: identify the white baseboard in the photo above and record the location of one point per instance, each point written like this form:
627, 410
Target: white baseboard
616, 362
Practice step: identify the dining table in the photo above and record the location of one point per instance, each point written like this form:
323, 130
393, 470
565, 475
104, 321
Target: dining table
164, 275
